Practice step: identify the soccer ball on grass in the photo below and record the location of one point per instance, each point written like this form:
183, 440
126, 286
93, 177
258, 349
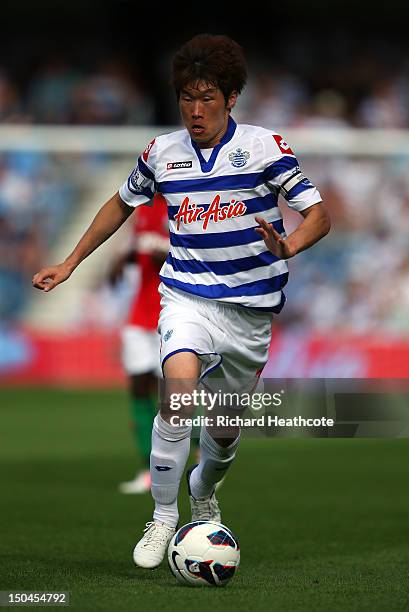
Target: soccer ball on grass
203, 553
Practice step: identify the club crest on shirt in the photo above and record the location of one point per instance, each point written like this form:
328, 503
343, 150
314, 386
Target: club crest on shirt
167, 335
239, 158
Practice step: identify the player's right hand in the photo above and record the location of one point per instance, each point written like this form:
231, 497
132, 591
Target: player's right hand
48, 278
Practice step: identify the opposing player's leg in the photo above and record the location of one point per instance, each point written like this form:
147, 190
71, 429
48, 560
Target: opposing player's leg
140, 358
170, 450
143, 402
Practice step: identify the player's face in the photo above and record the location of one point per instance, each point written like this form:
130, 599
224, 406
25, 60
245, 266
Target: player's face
205, 112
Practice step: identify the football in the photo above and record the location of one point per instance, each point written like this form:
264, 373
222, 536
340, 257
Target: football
203, 553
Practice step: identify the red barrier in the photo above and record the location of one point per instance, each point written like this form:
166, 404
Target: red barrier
93, 358
310, 355
80, 359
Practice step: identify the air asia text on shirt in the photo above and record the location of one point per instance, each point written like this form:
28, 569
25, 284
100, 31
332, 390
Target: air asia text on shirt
189, 212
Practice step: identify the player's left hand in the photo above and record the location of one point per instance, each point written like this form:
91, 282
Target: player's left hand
278, 246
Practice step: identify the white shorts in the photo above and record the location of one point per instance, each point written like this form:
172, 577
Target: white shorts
140, 350
232, 342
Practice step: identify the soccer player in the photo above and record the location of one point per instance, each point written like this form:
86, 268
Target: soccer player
222, 282
140, 340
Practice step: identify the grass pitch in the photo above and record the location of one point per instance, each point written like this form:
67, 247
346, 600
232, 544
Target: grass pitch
323, 523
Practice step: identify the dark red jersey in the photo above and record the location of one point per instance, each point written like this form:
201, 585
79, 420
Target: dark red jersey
151, 241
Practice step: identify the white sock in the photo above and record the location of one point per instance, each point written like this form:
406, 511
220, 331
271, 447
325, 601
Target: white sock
215, 460
170, 450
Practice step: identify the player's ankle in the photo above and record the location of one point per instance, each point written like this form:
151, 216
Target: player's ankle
170, 520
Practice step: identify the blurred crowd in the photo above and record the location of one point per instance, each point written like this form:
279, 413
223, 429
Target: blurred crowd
38, 193
59, 93
302, 88
357, 279
365, 93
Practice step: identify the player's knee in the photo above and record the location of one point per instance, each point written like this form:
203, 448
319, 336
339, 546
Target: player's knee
179, 397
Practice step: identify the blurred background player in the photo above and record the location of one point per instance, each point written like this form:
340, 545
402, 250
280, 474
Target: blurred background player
140, 339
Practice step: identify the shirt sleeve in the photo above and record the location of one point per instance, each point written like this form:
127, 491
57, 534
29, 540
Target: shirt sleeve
282, 173
140, 186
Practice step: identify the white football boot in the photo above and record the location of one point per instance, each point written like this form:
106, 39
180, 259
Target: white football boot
140, 484
203, 508
151, 549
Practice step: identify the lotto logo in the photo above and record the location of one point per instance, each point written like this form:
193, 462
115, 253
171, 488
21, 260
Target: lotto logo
282, 145
178, 165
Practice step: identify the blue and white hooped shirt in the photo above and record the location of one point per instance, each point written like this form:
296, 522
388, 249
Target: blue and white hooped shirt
214, 251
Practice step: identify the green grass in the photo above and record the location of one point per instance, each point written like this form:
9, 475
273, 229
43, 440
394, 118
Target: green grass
323, 524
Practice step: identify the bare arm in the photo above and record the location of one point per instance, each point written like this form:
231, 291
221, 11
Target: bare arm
316, 225
107, 221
